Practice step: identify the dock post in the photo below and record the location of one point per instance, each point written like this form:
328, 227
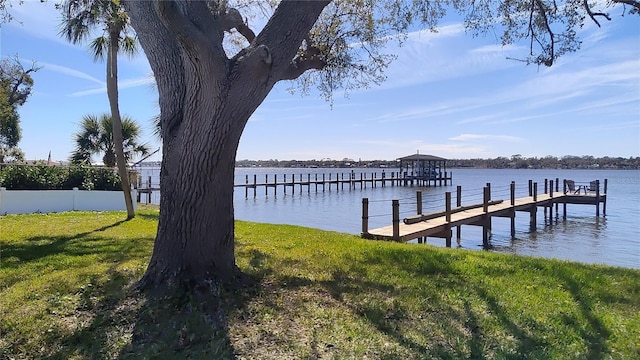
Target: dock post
458, 204
530, 187
284, 185
266, 184
447, 199
246, 186
550, 206
512, 191
546, 186
254, 185
604, 203
564, 200
486, 218
396, 219
365, 215
149, 187
485, 199
546, 189
418, 208
557, 190
597, 197
534, 211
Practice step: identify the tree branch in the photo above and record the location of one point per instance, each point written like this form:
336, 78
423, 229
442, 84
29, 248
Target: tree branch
632, 3
17, 96
300, 65
543, 13
593, 15
286, 29
231, 19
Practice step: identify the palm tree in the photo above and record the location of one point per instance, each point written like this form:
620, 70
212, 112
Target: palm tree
79, 17
96, 137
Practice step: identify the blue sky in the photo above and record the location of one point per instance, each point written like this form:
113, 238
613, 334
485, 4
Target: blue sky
448, 94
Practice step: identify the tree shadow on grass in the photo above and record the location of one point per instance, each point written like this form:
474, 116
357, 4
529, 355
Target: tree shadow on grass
194, 325
476, 324
154, 216
38, 247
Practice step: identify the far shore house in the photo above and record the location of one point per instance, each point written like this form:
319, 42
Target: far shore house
425, 170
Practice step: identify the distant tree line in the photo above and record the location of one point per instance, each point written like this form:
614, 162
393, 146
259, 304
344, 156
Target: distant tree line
513, 162
549, 162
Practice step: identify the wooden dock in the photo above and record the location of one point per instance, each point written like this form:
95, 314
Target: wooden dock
440, 224
320, 182
317, 182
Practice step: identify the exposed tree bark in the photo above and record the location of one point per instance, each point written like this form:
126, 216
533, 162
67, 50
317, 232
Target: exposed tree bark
112, 93
205, 102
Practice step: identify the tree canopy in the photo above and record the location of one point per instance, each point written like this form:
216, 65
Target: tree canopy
15, 87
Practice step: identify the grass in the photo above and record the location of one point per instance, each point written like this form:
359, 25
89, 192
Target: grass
66, 293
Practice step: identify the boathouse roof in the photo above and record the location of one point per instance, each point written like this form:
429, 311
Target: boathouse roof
422, 157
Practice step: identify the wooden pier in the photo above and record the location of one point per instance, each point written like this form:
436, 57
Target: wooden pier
440, 224
338, 181
316, 182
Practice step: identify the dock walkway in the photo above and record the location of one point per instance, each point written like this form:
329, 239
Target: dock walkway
441, 224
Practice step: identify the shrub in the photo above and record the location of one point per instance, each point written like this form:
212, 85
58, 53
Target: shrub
43, 177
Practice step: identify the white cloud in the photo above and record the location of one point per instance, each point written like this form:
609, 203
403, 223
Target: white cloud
471, 137
124, 84
70, 72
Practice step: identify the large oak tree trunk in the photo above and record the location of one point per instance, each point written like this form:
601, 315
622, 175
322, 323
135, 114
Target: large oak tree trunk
195, 238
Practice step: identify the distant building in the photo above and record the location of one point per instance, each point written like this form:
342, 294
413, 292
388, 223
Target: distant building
424, 169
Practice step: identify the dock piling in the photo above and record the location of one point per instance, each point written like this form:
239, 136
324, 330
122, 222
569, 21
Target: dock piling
395, 204
365, 215
447, 200
512, 213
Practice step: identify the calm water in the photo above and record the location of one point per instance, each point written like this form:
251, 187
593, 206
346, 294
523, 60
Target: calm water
613, 239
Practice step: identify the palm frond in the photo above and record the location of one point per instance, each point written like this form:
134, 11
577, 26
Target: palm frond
98, 47
96, 137
128, 45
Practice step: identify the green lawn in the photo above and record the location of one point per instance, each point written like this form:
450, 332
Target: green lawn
66, 293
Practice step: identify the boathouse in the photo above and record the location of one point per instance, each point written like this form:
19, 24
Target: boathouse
424, 170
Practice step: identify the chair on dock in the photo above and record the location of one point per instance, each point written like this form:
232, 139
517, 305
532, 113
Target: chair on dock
593, 186
571, 187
